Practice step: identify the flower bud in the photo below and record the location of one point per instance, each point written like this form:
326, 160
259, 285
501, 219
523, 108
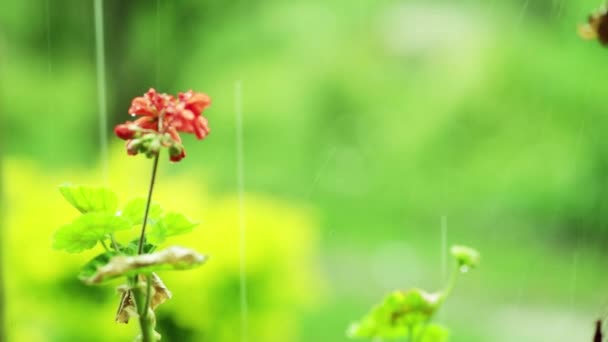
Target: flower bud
124, 131
177, 152
154, 145
133, 146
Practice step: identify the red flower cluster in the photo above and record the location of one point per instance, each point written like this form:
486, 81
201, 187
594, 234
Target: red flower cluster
162, 118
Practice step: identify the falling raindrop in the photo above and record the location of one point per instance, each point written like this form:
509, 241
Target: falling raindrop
101, 87
240, 173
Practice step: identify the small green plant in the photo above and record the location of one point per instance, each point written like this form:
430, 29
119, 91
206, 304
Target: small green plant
137, 259
407, 315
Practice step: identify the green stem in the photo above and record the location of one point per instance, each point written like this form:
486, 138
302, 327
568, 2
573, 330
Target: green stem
142, 298
115, 244
146, 321
148, 295
450, 285
410, 333
422, 331
103, 244
142, 237
2, 246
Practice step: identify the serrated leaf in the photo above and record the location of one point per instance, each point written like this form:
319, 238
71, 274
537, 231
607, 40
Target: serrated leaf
397, 312
134, 211
71, 239
89, 199
172, 258
170, 224
86, 230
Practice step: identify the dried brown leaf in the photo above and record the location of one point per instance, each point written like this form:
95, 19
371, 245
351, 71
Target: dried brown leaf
172, 258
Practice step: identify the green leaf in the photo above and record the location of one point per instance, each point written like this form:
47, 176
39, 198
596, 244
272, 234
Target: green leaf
466, 257
132, 247
169, 225
91, 267
135, 209
172, 258
396, 314
71, 239
86, 230
89, 199
434, 333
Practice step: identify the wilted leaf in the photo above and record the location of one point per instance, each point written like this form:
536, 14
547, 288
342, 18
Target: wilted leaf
466, 257
169, 225
395, 314
172, 258
161, 293
89, 199
126, 309
134, 211
86, 230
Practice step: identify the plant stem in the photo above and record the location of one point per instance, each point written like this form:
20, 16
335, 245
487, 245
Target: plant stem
142, 237
148, 295
142, 298
105, 247
146, 321
2, 242
114, 243
451, 282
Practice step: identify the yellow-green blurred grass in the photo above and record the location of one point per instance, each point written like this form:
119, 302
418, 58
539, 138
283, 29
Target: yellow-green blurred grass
47, 303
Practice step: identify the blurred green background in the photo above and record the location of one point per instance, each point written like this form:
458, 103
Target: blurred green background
375, 133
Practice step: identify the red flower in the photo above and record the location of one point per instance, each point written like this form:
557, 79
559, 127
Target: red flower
151, 104
162, 118
195, 102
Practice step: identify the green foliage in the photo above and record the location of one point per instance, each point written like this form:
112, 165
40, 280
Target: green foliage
100, 219
85, 231
398, 314
89, 199
171, 224
407, 314
135, 261
135, 209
